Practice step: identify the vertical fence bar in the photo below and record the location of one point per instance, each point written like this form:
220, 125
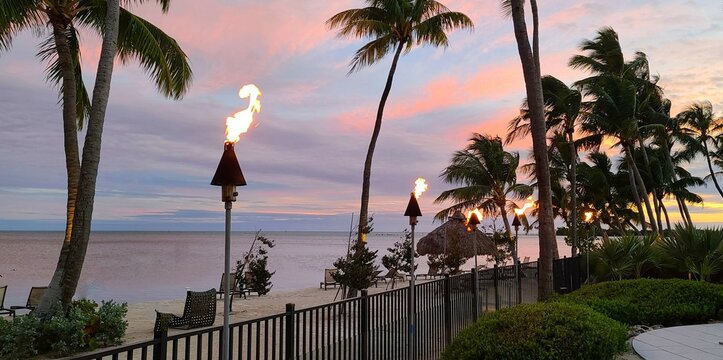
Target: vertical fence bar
496, 283
447, 310
160, 349
364, 326
475, 295
289, 336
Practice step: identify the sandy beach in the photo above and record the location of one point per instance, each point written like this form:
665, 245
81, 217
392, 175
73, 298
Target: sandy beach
141, 317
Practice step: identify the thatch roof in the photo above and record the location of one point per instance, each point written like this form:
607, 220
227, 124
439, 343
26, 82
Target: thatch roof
452, 236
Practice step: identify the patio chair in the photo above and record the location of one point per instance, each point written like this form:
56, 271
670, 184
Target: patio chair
3, 310
199, 311
432, 273
329, 279
36, 294
247, 283
235, 290
393, 275
525, 260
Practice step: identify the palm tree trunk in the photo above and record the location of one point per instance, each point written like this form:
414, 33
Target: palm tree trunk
636, 197
366, 182
573, 192
665, 212
535, 101
91, 155
72, 162
503, 212
682, 213
642, 190
710, 167
646, 161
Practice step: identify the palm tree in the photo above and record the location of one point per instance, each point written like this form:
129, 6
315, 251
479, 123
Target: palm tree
530, 60
393, 26
698, 252
563, 113
488, 178
701, 127
158, 53
615, 86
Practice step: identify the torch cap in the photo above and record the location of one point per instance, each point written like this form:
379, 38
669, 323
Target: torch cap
413, 207
228, 171
516, 221
473, 219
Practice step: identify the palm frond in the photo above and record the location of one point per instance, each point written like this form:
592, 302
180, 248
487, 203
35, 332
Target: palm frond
16, 16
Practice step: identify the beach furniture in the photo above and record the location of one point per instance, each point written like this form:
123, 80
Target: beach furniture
247, 283
36, 294
392, 275
199, 311
236, 287
432, 273
526, 260
328, 279
3, 310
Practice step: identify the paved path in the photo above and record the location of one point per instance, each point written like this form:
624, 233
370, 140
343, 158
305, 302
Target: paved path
695, 342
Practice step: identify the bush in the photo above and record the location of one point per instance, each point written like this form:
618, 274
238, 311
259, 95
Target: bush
19, 338
553, 330
83, 326
652, 301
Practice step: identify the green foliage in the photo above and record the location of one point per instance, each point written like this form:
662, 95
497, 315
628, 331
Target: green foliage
259, 275
698, 252
356, 271
400, 254
503, 246
652, 301
625, 257
540, 331
83, 326
448, 263
19, 338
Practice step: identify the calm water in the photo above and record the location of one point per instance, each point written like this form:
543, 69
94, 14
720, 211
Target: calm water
147, 266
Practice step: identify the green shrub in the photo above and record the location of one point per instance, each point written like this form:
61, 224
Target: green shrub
652, 301
553, 330
19, 338
83, 326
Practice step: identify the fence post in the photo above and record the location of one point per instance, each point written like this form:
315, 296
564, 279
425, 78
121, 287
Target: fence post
497, 295
290, 323
364, 326
475, 294
160, 348
447, 309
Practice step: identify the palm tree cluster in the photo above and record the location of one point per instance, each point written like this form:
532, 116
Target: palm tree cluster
621, 103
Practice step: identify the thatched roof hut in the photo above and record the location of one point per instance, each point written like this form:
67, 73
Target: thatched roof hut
452, 237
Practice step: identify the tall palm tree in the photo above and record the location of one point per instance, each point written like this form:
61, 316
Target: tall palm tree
487, 175
701, 127
615, 86
563, 114
394, 26
530, 60
58, 20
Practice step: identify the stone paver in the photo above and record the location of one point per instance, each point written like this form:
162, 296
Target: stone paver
694, 342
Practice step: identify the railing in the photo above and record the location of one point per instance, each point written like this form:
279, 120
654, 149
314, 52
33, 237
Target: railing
367, 327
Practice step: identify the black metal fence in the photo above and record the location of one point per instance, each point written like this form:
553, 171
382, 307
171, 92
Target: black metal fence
369, 327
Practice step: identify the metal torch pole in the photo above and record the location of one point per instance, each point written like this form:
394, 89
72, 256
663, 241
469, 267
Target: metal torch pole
516, 259
227, 283
475, 286
412, 312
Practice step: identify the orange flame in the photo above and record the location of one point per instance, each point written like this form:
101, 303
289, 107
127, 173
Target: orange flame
240, 122
530, 203
476, 212
588, 216
420, 186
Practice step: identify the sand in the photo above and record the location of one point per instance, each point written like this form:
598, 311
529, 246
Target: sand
142, 316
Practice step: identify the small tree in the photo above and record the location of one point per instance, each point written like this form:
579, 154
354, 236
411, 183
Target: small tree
504, 244
399, 255
448, 263
356, 271
259, 276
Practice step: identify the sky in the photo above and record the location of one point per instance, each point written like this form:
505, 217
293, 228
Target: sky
303, 158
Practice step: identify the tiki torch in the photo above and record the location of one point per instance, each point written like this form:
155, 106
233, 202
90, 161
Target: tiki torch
473, 219
228, 176
413, 212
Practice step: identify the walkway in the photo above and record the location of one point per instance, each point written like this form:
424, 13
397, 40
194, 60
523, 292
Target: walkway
695, 342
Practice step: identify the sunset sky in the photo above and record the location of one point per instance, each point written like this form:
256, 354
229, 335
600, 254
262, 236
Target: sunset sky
303, 161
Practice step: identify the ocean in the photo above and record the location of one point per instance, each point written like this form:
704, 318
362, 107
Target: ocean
149, 266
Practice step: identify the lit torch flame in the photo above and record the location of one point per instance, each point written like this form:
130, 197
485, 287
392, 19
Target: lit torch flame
530, 203
420, 186
240, 122
476, 212
588, 216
